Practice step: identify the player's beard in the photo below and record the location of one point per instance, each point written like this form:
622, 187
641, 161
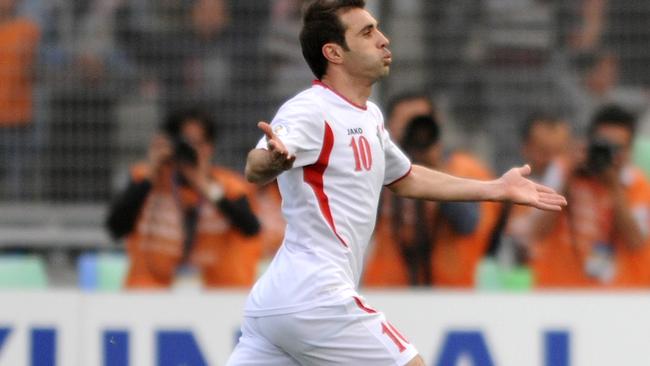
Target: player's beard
383, 68
385, 71
386, 62
378, 72
368, 67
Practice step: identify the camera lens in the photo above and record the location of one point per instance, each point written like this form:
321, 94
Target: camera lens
184, 152
600, 155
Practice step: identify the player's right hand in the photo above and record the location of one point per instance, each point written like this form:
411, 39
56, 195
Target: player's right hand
280, 157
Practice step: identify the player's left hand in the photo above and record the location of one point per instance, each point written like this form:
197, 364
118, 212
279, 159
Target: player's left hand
521, 190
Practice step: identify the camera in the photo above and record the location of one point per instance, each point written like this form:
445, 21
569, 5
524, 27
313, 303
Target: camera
601, 154
184, 153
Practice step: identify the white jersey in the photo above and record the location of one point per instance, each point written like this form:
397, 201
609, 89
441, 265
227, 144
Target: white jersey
344, 157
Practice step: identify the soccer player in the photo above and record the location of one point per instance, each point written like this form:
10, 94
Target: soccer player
331, 155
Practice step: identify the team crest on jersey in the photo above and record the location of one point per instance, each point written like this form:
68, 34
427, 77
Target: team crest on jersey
280, 130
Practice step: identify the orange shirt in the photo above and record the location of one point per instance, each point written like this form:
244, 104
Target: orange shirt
560, 259
18, 42
385, 265
454, 257
224, 256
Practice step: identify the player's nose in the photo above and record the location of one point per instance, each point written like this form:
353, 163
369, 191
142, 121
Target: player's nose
383, 40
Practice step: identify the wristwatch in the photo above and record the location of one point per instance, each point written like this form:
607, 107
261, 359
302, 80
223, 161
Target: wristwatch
215, 192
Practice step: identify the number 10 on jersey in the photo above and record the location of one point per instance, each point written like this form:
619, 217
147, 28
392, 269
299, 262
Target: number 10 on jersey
362, 153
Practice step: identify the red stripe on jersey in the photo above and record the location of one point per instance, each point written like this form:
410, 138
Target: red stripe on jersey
402, 177
363, 306
313, 175
399, 335
387, 330
318, 82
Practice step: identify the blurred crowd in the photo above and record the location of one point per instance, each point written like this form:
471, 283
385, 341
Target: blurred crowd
148, 107
601, 240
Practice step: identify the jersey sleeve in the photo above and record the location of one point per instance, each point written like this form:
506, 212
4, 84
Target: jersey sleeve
299, 124
398, 164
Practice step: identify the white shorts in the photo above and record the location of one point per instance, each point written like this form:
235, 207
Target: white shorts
346, 334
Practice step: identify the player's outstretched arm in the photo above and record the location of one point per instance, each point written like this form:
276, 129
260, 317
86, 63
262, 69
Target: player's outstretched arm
430, 184
262, 166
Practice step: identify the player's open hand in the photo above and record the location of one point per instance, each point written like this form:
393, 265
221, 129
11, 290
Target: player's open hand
280, 157
523, 191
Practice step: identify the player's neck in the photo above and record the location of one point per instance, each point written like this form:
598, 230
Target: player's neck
356, 91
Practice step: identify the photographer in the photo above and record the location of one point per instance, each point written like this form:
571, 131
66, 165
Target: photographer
179, 211
601, 239
437, 244
549, 149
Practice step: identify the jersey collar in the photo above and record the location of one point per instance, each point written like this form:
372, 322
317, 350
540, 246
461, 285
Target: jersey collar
321, 84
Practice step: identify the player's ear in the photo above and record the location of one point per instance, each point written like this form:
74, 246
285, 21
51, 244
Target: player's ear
333, 53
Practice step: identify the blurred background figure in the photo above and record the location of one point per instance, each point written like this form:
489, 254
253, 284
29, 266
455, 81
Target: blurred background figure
595, 81
602, 239
427, 243
547, 146
505, 48
402, 108
83, 77
546, 143
288, 71
462, 229
179, 47
19, 38
386, 266
179, 211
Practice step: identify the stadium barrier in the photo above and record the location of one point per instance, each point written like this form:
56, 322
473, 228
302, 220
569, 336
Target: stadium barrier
68, 328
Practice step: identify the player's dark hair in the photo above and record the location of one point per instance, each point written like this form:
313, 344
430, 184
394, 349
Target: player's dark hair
322, 25
421, 133
173, 123
407, 96
613, 115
